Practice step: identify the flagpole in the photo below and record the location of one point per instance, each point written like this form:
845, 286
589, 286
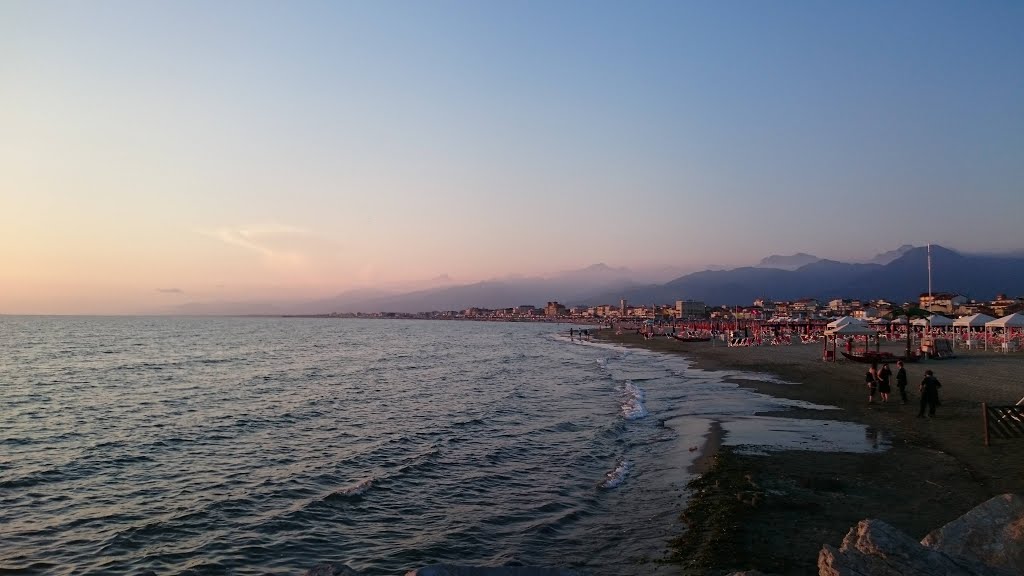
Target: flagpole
929, 271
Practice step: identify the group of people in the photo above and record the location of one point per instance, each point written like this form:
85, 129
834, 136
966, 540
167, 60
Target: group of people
581, 334
878, 381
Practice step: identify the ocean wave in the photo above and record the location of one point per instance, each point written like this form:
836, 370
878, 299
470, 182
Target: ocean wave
351, 490
35, 478
613, 478
633, 403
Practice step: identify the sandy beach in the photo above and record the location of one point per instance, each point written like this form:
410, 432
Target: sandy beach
773, 512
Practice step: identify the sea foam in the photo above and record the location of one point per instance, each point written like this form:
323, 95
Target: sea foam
355, 489
613, 478
633, 402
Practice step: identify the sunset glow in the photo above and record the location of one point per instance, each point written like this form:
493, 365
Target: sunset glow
156, 154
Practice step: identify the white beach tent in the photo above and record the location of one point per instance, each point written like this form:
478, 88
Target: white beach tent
935, 320
854, 328
972, 321
1015, 320
843, 322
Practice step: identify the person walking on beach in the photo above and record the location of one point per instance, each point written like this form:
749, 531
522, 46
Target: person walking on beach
570, 334
871, 379
929, 394
883, 382
901, 381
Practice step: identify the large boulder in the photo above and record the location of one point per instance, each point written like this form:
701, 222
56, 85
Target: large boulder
991, 533
874, 548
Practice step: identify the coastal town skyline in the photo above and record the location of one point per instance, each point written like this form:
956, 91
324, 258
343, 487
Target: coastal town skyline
155, 155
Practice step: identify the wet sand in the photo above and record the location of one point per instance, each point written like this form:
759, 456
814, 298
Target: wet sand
773, 512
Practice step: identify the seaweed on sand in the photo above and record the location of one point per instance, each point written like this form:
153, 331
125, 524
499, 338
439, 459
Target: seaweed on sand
720, 499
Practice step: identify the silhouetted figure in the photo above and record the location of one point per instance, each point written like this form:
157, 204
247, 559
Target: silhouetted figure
901, 381
883, 382
929, 394
871, 379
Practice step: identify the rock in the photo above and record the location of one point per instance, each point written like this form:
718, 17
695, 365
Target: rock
331, 569
991, 533
451, 570
747, 573
874, 548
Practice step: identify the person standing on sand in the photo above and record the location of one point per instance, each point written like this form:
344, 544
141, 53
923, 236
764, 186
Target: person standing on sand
929, 394
871, 379
883, 382
901, 381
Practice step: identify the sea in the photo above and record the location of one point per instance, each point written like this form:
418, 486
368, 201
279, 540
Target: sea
164, 445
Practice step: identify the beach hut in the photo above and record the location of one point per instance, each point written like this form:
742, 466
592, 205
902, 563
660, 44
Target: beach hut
969, 322
849, 329
1007, 324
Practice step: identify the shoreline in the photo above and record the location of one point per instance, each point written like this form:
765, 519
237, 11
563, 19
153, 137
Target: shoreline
934, 470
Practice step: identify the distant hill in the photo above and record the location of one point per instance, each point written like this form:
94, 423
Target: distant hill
788, 262
887, 257
570, 287
978, 277
902, 279
744, 285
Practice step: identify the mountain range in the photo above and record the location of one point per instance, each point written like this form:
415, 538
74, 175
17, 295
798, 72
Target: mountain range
900, 280
899, 275
801, 259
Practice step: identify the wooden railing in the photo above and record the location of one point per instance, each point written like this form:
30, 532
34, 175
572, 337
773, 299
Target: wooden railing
1003, 421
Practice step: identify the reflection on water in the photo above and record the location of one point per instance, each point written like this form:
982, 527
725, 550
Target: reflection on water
871, 433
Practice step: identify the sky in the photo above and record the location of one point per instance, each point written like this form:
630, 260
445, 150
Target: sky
158, 153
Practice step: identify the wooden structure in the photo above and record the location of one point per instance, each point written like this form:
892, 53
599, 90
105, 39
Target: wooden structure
1003, 421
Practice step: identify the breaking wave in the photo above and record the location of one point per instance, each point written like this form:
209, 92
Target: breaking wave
613, 478
633, 402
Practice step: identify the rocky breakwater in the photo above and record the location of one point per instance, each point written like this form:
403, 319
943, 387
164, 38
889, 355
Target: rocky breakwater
987, 541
